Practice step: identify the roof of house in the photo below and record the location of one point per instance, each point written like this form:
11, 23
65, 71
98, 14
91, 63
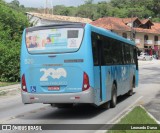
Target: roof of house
60, 18
129, 20
111, 23
122, 24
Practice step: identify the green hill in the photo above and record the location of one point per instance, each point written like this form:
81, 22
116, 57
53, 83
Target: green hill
115, 8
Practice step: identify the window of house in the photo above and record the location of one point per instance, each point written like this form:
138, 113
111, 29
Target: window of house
155, 38
145, 37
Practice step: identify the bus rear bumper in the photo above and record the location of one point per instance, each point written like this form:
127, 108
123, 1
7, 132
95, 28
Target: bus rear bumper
80, 97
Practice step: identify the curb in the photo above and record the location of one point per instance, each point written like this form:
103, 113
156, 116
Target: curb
121, 115
127, 111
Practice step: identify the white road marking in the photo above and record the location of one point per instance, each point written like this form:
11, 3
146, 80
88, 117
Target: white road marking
150, 115
115, 119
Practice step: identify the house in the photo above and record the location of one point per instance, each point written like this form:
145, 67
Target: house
145, 33
40, 19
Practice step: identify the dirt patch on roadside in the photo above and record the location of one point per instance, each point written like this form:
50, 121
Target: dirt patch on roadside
9, 93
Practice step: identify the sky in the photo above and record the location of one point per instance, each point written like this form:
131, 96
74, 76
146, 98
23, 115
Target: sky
42, 3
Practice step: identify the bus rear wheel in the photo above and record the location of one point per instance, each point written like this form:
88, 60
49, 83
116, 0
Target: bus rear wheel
130, 92
113, 96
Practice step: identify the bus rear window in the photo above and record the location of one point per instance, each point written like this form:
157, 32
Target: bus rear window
54, 40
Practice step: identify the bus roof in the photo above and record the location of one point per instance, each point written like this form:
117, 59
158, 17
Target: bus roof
63, 25
110, 34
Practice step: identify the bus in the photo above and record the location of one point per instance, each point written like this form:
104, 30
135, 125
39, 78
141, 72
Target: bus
76, 63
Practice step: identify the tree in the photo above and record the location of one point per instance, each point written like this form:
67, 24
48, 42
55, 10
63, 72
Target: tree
12, 23
104, 9
88, 1
116, 8
61, 10
87, 11
15, 3
120, 3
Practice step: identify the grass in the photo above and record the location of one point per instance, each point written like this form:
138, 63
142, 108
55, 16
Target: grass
7, 83
137, 116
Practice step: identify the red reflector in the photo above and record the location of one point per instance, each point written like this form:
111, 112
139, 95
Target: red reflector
23, 83
83, 25
31, 97
86, 84
77, 97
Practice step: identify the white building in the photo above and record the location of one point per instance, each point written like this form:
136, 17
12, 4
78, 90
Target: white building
38, 19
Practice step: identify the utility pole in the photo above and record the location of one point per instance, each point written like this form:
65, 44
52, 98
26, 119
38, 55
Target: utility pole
46, 7
132, 28
52, 6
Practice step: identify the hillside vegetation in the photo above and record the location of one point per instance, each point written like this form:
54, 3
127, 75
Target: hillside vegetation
114, 8
12, 23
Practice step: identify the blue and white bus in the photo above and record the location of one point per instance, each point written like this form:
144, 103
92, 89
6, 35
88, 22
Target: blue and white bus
66, 64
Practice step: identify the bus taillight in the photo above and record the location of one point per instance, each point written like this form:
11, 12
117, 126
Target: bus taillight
24, 87
85, 82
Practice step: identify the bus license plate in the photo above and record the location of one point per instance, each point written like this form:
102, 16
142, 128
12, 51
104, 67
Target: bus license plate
53, 88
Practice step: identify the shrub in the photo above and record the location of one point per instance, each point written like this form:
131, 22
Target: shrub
12, 23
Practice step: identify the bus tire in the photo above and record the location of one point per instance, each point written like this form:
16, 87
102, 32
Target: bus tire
113, 96
130, 92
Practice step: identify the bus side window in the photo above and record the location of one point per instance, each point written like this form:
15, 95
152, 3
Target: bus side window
118, 53
95, 52
124, 54
98, 50
128, 56
121, 53
100, 43
132, 54
107, 48
114, 59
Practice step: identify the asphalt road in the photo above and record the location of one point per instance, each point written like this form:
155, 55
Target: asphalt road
13, 111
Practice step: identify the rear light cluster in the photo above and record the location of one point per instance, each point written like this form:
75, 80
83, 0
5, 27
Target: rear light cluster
86, 84
83, 25
23, 83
